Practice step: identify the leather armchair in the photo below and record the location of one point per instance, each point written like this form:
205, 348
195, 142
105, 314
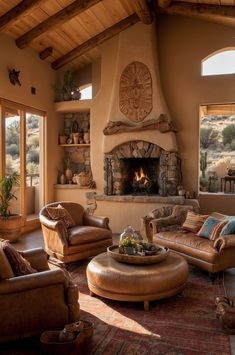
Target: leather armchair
31, 304
90, 236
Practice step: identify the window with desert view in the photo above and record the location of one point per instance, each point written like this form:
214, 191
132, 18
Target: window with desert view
217, 148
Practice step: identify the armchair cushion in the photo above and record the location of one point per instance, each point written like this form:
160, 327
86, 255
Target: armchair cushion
86, 234
20, 266
60, 213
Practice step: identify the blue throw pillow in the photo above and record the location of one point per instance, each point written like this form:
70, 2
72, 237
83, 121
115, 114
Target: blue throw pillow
207, 227
229, 228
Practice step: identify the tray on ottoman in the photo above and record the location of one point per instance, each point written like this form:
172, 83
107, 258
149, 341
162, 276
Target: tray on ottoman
162, 253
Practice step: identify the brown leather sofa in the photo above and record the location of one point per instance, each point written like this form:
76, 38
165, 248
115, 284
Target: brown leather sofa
90, 236
175, 214
33, 303
212, 256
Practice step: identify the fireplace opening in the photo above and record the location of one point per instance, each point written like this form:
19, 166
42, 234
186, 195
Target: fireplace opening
139, 176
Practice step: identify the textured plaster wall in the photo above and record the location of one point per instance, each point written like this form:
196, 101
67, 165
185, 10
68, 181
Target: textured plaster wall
183, 43
37, 73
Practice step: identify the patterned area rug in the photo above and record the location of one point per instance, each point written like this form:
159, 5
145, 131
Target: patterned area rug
185, 324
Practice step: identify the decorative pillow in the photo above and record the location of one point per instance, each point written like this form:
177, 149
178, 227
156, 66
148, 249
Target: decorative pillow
20, 266
193, 222
216, 230
5, 268
229, 228
60, 213
205, 230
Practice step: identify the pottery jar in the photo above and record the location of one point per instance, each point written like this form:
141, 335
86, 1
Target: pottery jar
68, 174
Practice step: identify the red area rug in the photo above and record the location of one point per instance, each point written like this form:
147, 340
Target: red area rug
184, 325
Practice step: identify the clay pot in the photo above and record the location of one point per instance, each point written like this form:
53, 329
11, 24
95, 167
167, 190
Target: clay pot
68, 174
86, 137
62, 179
62, 139
10, 227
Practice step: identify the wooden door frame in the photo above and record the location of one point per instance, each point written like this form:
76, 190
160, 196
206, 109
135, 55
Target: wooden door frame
4, 104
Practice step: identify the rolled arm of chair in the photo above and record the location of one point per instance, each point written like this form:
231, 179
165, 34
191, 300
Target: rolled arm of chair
96, 221
56, 226
163, 222
32, 281
37, 257
224, 242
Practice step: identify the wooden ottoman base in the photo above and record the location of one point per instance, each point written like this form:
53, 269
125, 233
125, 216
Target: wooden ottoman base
137, 283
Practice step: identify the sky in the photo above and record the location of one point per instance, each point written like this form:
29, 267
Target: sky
220, 63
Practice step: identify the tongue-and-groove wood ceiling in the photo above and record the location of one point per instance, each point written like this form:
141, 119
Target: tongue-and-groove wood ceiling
69, 32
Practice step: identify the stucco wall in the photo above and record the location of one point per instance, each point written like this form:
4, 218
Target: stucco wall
183, 43
37, 73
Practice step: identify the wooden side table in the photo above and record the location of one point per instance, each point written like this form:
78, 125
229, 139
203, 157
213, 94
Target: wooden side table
227, 179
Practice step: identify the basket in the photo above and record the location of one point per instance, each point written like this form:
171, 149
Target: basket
52, 346
82, 179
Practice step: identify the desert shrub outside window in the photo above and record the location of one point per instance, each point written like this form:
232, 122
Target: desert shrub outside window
217, 148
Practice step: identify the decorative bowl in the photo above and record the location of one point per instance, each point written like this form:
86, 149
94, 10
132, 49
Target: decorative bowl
161, 255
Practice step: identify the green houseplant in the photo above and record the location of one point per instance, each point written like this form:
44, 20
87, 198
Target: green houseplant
10, 224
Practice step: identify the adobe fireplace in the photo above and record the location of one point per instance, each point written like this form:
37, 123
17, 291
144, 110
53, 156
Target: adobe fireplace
141, 168
139, 142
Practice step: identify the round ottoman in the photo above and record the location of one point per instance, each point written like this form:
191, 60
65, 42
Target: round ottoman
127, 282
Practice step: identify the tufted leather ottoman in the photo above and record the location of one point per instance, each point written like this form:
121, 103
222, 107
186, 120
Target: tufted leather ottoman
127, 282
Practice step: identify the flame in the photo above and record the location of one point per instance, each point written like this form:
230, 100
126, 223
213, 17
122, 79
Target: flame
141, 175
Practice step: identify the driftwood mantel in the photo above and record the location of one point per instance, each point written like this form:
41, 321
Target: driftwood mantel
161, 124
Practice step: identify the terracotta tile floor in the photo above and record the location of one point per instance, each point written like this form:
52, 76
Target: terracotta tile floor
34, 240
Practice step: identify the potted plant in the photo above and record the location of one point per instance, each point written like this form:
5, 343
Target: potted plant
10, 224
69, 87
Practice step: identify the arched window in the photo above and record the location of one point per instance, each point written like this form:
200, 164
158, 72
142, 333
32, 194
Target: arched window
86, 92
219, 63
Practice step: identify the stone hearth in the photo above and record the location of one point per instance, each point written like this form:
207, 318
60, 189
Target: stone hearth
168, 171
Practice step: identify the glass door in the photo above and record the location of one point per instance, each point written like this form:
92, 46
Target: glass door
22, 152
13, 152
34, 181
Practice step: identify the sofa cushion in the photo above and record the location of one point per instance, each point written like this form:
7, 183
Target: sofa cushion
60, 213
189, 244
207, 227
5, 267
20, 266
229, 228
216, 230
193, 222
87, 234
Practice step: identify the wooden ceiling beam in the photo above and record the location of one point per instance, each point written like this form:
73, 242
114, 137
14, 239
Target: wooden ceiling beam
95, 41
142, 9
62, 16
164, 3
47, 52
13, 14
206, 11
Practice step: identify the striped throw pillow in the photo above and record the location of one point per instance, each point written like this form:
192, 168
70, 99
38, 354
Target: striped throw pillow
193, 222
207, 227
216, 230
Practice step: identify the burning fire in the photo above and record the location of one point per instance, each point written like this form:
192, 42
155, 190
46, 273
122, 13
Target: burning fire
141, 176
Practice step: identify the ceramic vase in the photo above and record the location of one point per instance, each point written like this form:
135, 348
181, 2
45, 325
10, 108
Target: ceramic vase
69, 174
86, 137
62, 179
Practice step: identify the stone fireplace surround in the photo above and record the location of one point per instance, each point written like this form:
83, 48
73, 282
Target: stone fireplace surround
169, 171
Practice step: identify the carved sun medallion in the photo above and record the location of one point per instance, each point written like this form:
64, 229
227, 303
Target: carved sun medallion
135, 92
